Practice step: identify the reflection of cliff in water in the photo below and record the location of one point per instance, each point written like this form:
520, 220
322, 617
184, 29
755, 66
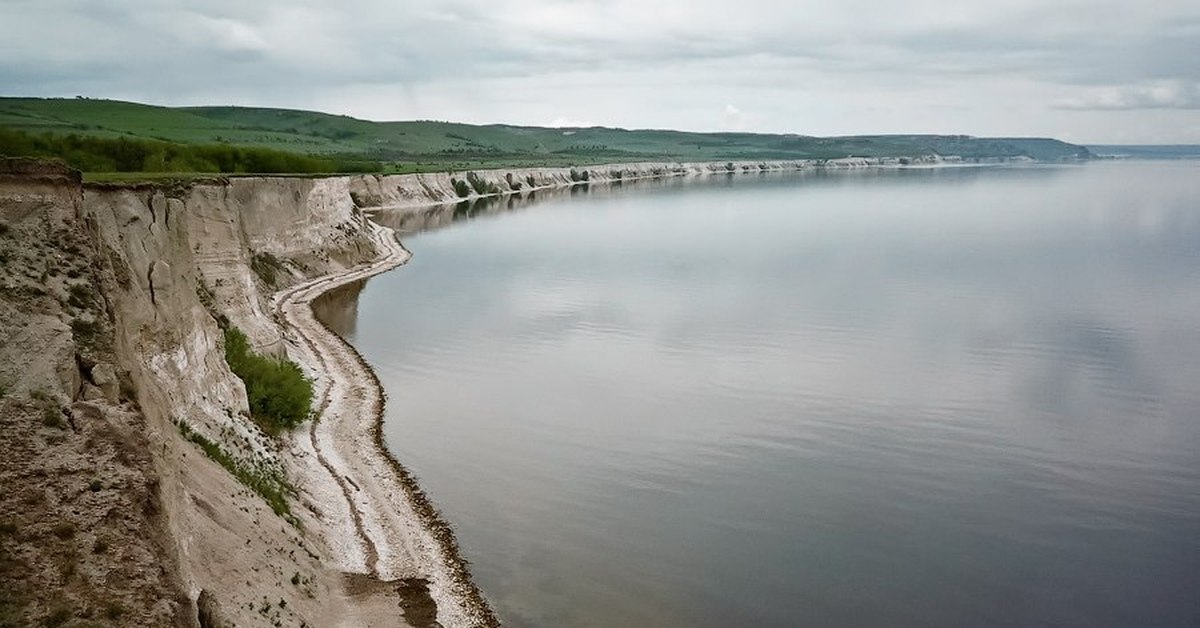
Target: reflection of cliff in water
415, 220
338, 308
410, 220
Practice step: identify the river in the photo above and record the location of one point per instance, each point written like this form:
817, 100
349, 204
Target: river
926, 397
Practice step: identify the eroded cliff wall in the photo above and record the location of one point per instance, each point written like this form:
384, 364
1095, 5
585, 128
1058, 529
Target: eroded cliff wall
418, 190
113, 372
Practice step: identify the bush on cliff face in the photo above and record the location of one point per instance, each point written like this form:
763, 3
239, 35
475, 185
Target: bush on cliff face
267, 267
461, 188
280, 395
482, 186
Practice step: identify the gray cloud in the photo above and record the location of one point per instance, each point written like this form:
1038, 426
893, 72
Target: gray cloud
1079, 69
1161, 95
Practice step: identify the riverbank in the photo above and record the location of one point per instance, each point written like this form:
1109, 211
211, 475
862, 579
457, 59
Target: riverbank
386, 526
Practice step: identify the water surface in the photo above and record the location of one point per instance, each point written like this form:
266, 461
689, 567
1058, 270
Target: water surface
950, 397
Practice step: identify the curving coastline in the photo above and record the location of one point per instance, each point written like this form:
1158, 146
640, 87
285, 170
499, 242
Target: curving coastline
381, 524
391, 531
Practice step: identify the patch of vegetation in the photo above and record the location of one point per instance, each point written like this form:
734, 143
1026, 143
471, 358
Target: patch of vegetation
52, 416
461, 188
81, 296
481, 186
123, 154
269, 485
209, 300
267, 267
86, 332
279, 394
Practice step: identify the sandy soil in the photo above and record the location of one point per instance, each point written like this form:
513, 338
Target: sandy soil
377, 521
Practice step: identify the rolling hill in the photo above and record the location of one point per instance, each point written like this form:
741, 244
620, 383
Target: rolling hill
429, 145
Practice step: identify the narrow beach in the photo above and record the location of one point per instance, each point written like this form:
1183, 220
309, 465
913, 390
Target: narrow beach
377, 520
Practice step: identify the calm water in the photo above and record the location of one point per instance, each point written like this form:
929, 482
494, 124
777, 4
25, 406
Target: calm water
924, 398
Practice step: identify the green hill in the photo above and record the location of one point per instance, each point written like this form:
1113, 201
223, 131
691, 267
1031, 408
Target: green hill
342, 142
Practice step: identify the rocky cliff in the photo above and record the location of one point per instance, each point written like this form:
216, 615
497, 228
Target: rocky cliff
422, 190
125, 417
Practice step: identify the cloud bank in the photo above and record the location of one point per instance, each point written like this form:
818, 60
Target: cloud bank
1084, 70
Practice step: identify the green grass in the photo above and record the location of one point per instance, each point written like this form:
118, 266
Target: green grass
129, 154
428, 146
271, 486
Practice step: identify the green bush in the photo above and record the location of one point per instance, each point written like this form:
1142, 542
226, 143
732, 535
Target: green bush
280, 395
461, 188
481, 185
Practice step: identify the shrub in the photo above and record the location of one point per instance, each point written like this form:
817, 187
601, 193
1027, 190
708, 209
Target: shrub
481, 185
52, 416
279, 394
80, 296
85, 331
461, 188
267, 267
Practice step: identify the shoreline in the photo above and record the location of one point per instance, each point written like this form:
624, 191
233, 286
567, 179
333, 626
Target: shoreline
384, 525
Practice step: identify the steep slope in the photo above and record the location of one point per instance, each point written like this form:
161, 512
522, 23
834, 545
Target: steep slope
135, 460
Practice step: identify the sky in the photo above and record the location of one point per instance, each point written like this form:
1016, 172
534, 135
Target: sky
1089, 71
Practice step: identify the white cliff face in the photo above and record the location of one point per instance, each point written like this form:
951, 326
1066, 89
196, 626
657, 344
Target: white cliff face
416, 190
420, 190
180, 257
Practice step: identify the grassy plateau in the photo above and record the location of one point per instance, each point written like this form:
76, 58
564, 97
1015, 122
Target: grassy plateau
107, 136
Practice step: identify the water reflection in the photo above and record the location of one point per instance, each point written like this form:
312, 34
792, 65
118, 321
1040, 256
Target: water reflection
925, 398
430, 218
338, 308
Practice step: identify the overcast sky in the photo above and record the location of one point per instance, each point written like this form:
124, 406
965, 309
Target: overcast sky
1081, 70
